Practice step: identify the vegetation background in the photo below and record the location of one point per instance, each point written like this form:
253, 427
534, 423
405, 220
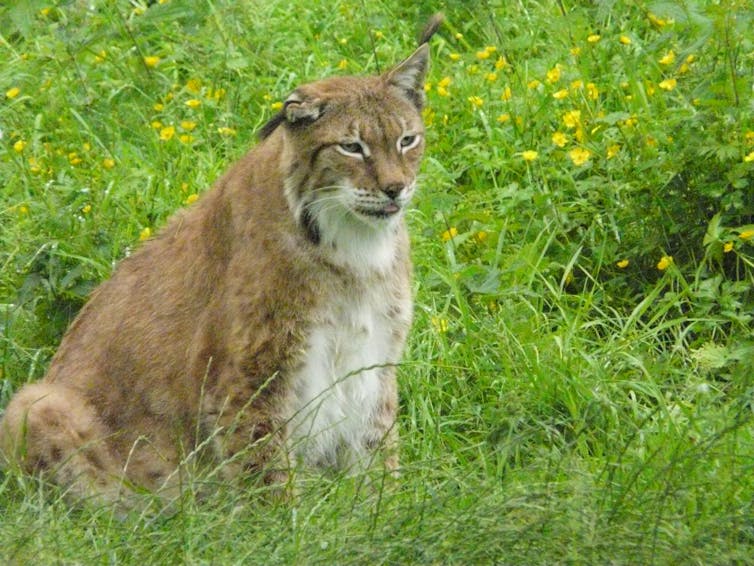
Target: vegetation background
579, 384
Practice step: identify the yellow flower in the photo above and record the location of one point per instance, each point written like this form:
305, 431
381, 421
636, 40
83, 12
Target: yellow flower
553, 75
476, 101
442, 91
193, 85
668, 84
665, 262
623, 264
12, 92
486, 52
185, 138
86, 209
529, 155
225, 131
108, 163
193, 103
458, 35
276, 105
217, 95
192, 198
145, 233
749, 158
379, 35
454, 56
167, 133
151, 61
532, 84
612, 150
559, 139
445, 82
572, 118
492, 77
427, 88
73, 158
188, 125
449, 234
625, 40
343, 64
668, 58
481, 236
727, 247
440, 324
159, 107
507, 93
578, 84
746, 235
23, 209
501, 63
561, 94
579, 155
657, 21
19, 146
594, 38
575, 51
629, 122
156, 124
592, 92
503, 118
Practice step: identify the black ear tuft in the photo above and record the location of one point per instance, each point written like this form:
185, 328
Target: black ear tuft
431, 27
271, 125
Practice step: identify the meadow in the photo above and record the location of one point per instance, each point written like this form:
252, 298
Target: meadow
578, 387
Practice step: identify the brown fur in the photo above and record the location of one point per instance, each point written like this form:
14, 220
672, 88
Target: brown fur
196, 339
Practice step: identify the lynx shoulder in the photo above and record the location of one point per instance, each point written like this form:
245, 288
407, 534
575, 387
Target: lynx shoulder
264, 322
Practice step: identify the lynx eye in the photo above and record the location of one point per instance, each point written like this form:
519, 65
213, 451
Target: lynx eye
352, 149
407, 142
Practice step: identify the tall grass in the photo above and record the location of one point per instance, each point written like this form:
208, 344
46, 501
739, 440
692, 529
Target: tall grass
577, 387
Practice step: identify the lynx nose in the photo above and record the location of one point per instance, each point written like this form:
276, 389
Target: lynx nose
393, 190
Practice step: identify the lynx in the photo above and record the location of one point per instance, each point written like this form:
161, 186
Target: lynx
262, 325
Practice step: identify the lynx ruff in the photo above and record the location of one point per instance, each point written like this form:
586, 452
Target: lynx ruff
264, 322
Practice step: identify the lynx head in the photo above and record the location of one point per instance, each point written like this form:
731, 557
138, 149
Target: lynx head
351, 153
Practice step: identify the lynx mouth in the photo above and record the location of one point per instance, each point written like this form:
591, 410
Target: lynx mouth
386, 211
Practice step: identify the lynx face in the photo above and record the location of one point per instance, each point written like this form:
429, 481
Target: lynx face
352, 152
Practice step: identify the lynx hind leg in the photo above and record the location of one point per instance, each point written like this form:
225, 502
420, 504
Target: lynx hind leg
50, 429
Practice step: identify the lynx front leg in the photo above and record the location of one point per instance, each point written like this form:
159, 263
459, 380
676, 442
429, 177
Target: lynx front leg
51, 429
382, 439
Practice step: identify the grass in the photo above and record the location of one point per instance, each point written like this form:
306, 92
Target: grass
568, 395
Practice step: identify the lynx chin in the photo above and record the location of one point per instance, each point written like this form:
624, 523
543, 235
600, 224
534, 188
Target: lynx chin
260, 329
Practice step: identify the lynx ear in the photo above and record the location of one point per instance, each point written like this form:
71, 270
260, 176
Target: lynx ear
409, 75
297, 109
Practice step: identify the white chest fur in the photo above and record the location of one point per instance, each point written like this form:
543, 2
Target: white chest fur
338, 386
